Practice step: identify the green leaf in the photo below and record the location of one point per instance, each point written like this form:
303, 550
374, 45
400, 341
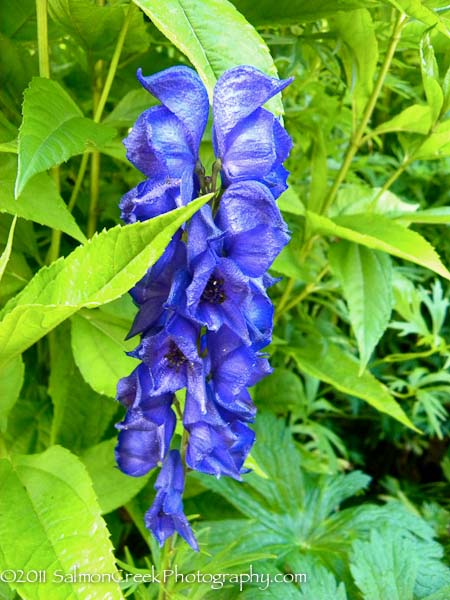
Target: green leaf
47, 502
16, 275
213, 35
415, 119
418, 10
112, 488
390, 553
431, 216
4, 258
127, 110
324, 360
289, 12
290, 202
80, 415
437, 145
99, 346
366, 279
11, 381
39, 201
100, 271
53, 129
381, 233
430, 77
360, 53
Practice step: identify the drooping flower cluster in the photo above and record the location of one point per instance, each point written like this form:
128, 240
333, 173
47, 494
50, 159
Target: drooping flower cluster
204, 312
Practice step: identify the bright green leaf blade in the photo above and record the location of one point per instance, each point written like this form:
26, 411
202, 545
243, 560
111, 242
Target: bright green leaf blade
390, 553
47, 502
415, 119
430, 77
98, 344
4, 258
360, 53
11, 381
431, 216
39, 202
80, 415
53, 129
381, 233
437, 145
329, 363
213, 35
100, 271
112, 487
366, 279
293, 12
418, 10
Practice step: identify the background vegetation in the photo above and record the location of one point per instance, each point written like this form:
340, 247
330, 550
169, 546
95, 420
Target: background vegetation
351, 475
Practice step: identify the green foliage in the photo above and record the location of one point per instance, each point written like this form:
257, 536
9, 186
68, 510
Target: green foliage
53, 129
57, 292
361, 348
37, 491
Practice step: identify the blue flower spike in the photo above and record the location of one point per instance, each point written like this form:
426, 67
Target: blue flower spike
204, 315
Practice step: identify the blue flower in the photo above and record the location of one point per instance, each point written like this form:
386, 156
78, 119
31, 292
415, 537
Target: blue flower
152, 291
172, 357
249, 140
204, 312
166, 515
147, 430
254, 230
219, 442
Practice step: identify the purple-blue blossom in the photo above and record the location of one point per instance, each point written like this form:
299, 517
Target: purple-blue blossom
204, 314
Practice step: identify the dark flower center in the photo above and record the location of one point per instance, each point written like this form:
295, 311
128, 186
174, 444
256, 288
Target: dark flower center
214, 291
174, 356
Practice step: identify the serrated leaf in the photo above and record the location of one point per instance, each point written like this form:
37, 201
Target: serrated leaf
390, 553
80, 415
47, 502
200, 27
113, 489
53, 129
381, 233
366, 279
39, 201
322, 359
11, 380
99, 349
102, 270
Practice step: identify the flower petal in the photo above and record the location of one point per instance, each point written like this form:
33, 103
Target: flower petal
238, 93
181, 90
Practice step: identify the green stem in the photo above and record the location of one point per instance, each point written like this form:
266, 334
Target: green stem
165, 565
307, 290
392, 179
42, 33
356, 138
100, 100
284, 298
113, 65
